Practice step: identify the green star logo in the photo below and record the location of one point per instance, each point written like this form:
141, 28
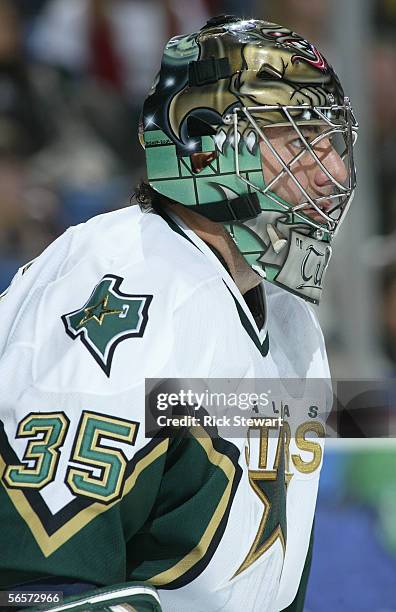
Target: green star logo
107, 318
271, 487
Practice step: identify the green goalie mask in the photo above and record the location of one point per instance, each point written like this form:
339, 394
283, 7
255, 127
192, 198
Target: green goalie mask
206, 129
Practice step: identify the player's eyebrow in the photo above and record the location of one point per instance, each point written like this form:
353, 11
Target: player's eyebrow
311, 129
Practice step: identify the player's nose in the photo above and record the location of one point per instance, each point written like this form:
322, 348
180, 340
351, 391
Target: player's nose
335, 166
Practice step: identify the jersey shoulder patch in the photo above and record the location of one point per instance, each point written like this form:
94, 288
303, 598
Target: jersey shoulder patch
108, 317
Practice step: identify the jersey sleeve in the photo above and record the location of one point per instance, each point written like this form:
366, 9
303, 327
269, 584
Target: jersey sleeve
79, 480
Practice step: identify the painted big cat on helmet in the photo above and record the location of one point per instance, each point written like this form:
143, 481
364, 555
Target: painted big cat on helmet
247, 124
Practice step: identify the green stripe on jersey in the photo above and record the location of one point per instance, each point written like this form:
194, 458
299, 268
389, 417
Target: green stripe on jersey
191, 512
263, 347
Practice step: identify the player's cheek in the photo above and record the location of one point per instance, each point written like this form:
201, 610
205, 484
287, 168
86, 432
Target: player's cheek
292, 193
269, 163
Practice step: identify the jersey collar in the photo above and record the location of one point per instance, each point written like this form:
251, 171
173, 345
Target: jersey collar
192, 237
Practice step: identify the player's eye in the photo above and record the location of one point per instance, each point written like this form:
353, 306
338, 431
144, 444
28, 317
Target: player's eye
297, 143
310, 135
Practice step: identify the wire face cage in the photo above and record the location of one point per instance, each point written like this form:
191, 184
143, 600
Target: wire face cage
335, 125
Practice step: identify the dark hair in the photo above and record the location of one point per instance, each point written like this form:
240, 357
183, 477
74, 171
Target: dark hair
150, 200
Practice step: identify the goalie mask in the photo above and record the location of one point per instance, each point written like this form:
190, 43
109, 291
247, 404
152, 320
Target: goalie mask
237, 114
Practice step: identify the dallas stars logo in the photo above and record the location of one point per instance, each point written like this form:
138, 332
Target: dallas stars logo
271, 488
108, 317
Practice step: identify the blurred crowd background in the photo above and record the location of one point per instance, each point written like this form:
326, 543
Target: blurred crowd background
73, 74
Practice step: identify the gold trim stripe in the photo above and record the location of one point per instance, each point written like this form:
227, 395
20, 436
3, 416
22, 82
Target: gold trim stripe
196, 554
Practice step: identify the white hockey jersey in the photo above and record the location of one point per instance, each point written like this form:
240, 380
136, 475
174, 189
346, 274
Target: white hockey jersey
214, 523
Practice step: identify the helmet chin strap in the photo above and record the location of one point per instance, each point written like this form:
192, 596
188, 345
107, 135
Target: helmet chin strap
246, 206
